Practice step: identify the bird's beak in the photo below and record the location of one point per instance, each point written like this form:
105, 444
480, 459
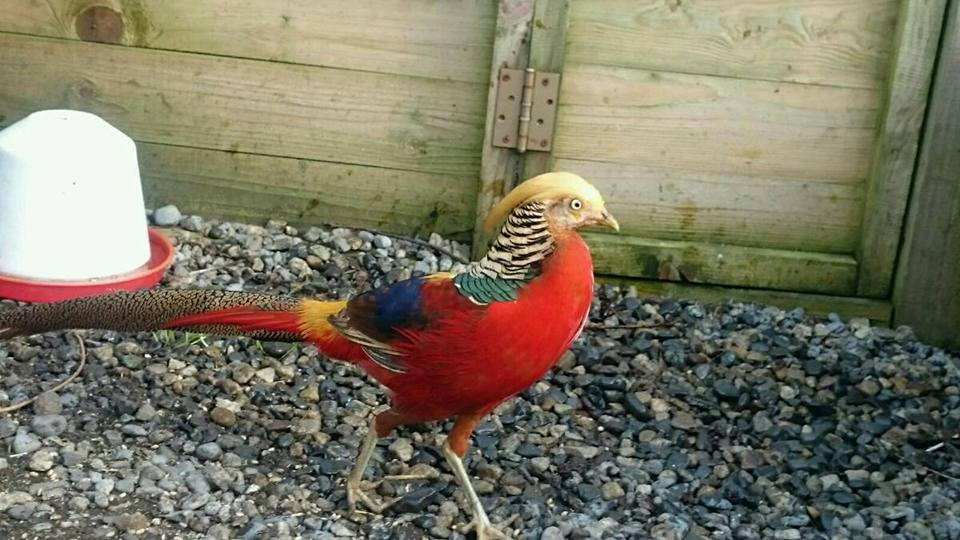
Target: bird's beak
607, 220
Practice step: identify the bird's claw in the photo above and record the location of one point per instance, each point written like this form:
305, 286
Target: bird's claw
356, 495
484, 530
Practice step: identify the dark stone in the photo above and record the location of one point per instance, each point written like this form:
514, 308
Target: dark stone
417, 500
528, 450
588, 492
843, 497
635, 407
331, 466
726, 389
813, 367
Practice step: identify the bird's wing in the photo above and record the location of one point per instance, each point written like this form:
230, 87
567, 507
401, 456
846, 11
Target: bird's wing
385, 321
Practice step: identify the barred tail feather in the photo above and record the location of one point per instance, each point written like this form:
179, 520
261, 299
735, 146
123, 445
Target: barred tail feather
211, 311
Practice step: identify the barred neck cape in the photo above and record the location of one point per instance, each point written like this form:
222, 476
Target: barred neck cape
513, 260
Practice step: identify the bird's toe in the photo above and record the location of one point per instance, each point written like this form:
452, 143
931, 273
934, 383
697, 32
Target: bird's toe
484, 530
357, 496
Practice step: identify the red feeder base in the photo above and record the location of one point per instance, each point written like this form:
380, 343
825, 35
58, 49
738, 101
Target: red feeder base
148, 275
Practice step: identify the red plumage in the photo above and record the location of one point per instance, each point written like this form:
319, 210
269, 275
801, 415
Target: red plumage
459, 358
471, 358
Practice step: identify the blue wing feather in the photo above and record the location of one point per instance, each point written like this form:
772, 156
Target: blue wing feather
398, 306
382, 320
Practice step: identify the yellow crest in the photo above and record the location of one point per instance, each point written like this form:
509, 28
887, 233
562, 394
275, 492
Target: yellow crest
552, 185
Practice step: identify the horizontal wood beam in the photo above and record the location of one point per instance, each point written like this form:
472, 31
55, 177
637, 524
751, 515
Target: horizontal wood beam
877, 311
447, 40
717, 125
769, 212
826, 42
713, 264
250, 106
252, 188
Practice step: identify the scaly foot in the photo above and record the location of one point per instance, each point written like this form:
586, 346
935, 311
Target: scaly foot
485, 530
356, 494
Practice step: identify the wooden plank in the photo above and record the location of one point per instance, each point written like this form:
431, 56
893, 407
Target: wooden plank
717, 125
714, 264
547, 44
828, 42
251, 188
408, 123
676, 204
501, 168
927, 292
847, 307
444, 40
918, 36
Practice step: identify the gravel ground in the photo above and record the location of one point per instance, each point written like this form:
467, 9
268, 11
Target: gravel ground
730, 421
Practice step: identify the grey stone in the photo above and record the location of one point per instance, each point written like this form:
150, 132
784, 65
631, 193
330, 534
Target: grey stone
25, 442
49, 425
209, 451
43, 460
47, 403
8, 426
167, 216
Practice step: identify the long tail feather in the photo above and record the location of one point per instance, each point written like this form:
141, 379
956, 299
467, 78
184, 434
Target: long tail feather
261, 316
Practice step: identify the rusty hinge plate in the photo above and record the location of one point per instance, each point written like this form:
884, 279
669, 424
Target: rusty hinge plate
526, 109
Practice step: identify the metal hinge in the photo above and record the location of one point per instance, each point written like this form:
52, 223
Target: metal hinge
526, 109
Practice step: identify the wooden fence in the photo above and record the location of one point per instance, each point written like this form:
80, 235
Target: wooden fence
760, 149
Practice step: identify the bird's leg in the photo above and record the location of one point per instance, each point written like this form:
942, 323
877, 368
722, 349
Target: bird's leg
454, 449
381, 426
355, 493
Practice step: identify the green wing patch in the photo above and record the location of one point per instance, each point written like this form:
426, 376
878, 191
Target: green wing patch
485, 290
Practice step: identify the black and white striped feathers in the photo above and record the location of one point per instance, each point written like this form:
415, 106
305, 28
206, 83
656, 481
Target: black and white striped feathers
513, 259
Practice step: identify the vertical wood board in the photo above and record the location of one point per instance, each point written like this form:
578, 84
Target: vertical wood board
548, 42
894, 156
927, 292
501, 168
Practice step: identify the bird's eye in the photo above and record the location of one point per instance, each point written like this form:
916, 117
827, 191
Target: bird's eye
576, 204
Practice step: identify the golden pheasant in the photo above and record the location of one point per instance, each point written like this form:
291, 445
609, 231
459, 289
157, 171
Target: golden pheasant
444, 345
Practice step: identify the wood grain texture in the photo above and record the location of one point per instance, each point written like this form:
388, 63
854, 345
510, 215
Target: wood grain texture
251, 188
927, 292
755, 163
547, 45
878, 311
675, 204
917, 38
444, 40
501, 168
828, 42
717, 125
407, 123
715, 264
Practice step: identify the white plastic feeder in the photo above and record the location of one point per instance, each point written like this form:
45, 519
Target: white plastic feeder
71, 205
